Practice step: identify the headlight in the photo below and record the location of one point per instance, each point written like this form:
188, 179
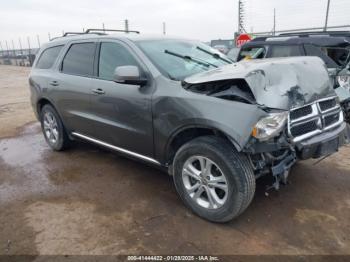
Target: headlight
270, 126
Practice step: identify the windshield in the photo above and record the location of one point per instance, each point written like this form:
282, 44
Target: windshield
178, 59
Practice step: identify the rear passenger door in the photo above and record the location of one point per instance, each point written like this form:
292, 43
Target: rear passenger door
123, 115
74, 86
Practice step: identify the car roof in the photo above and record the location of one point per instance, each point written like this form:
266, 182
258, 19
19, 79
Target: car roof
342, 39
91, 36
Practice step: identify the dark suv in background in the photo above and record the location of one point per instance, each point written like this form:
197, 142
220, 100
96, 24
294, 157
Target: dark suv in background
216, 126
332, 47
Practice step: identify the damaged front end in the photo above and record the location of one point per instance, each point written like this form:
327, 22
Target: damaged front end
304, 119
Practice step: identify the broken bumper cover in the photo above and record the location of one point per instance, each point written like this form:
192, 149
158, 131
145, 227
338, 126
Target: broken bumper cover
324, 144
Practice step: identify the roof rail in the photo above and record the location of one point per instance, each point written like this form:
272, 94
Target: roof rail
331, 33
95, 31
72, 33
91, 31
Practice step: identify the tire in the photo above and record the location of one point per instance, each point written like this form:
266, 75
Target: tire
236, 186
53, 129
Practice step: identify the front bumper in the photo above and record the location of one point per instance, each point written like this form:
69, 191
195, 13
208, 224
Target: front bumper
323, 144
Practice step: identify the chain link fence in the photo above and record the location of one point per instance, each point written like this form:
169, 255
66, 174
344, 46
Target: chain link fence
18, 57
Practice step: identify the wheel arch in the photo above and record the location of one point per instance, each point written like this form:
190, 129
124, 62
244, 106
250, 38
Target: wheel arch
46, 101
188, 133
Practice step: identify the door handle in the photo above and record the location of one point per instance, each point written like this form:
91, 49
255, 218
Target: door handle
98, 91
54, 83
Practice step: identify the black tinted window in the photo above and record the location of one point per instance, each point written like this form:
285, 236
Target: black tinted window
113, 55
312, 50
284, 51
339, 55
79, 59
48, 57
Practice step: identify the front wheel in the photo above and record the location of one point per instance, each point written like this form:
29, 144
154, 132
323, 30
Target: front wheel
213, 179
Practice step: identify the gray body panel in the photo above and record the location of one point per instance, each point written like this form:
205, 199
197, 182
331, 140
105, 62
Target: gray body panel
123, 116
145, 119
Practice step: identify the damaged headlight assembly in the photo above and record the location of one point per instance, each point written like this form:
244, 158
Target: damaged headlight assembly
270, 126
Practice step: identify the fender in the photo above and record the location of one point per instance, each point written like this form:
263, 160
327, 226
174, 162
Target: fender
212, 129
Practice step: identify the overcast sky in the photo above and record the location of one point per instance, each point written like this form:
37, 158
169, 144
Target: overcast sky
197, 19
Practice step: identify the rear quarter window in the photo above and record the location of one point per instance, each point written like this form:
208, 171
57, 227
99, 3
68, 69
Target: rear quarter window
312, 50
79, 60
48, 57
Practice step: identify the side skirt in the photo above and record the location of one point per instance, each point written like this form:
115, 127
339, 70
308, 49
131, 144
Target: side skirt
115, 148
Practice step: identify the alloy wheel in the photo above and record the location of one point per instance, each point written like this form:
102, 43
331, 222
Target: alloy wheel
204, 182
50, 128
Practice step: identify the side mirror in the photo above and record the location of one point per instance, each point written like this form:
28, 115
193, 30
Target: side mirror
128, 75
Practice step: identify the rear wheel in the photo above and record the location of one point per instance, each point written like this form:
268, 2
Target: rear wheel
213, 179
53, 128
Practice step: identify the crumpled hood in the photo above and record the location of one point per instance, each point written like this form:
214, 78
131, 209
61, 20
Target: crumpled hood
281, 83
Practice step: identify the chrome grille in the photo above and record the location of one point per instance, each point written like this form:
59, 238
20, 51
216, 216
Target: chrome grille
300, 112
327, 104
304, 128
314, 118
331, 119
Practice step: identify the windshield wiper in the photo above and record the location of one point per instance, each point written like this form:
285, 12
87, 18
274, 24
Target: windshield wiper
216, 56
186, 57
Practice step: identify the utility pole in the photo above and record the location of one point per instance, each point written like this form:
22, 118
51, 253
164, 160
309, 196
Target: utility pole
326, 22
7, 47
14, 52
103, 26
164, 28
13, 47
2, 49
49, 36
126, 25
22, 55
240, 17
38, 39
274, 21
29, 54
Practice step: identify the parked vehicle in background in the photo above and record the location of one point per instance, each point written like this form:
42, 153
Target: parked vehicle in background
214, 125
233, 54
222, 48
332, 47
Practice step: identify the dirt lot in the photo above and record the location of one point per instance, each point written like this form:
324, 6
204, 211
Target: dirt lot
91, 201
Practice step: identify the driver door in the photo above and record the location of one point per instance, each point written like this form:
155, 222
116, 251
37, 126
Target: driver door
122, 112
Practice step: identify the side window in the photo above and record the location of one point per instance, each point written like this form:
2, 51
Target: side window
312, 50
252, 53
79, 59
48, 57
113, 55
284, 51
339, 55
